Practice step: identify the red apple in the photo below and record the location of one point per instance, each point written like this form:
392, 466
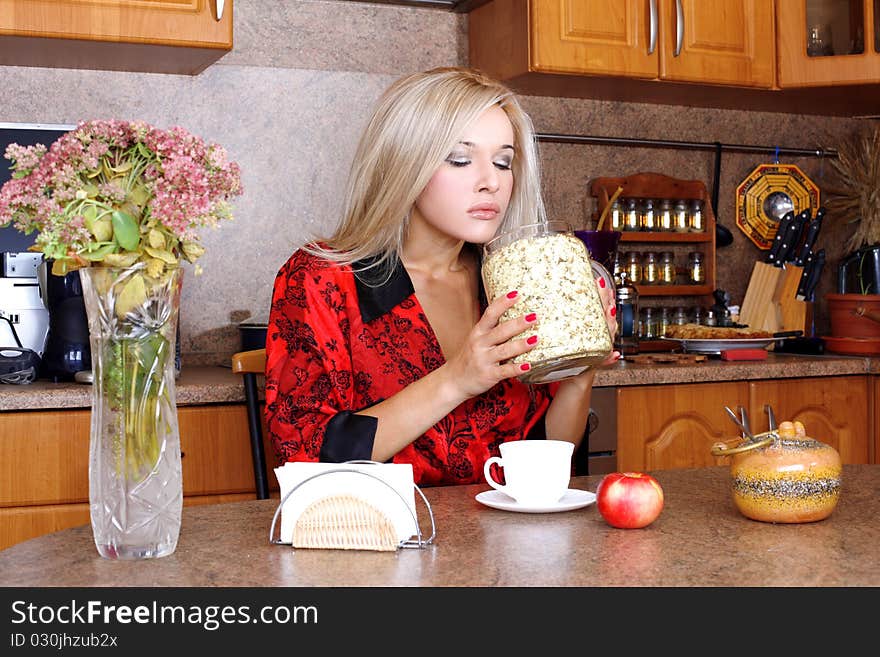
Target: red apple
629, 500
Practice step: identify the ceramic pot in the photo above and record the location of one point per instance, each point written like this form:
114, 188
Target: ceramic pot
854, 315
784, 480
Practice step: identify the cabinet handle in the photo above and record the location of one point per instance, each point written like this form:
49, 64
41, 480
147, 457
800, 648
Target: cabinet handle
219, 4
652, 8
679, 27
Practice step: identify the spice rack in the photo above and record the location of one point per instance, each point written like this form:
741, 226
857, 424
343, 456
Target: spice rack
659, 186
648, 185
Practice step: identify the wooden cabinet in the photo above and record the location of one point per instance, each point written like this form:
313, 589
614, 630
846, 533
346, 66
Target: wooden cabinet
723, 42
44, 462
160, 36
675, 426
827, 43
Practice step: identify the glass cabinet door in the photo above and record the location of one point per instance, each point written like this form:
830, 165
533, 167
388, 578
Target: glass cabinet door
827, 42
835, 27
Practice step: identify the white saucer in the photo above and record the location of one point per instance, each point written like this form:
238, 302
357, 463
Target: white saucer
573, 499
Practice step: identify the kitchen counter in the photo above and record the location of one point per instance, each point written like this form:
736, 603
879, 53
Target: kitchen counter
698, 540
217, 385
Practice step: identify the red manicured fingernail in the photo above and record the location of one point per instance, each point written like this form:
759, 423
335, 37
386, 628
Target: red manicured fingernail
601, 282
531, 317
613, 312
532, 339
512, 294
525, 367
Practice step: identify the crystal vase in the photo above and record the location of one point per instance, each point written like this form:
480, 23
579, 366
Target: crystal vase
135, 485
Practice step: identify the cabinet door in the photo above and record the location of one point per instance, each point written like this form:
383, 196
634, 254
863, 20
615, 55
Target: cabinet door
830, 42
674, 426
599, 37
173, 36
718, 41
833, 410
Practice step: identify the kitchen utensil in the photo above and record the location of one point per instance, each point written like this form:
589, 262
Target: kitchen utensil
811, 234
771, 418
745, 430
744, 418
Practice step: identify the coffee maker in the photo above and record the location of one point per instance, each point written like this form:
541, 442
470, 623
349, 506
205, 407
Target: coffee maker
67, 345
24, 318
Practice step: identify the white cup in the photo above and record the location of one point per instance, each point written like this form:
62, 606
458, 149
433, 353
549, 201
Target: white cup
537, 472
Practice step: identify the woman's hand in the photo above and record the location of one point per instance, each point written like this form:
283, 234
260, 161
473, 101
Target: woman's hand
479, 364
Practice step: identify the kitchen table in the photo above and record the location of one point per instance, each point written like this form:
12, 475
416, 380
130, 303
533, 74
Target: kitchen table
699, 540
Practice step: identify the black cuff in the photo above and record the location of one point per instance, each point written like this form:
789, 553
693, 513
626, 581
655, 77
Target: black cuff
349, 437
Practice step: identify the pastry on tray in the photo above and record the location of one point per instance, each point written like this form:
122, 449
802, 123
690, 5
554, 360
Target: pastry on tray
702, 332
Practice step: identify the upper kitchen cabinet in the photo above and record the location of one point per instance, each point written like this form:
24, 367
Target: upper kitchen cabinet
159, 36
535, 44
828, 42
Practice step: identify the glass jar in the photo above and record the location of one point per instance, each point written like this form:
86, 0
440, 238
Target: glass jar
665, 221
648, 216
647, 324
664, 319
667, 268
555, 277
680, 316
631, 214
650, 269
680, 217
615, 216
696, 270
698, 315
619, 265
633, 266
783, 476
696, 218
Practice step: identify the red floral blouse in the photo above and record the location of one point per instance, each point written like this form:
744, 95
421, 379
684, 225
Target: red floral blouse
337, 344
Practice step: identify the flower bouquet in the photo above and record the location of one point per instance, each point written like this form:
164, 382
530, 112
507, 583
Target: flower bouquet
122, 202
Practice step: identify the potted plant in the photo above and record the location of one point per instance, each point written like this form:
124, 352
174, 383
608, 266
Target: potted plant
853, 195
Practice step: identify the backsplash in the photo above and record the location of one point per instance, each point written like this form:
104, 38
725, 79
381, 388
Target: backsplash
289, 103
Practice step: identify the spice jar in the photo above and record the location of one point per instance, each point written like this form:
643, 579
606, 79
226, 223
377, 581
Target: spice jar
680, 217
665, 220
555, 277
667, 268
680, 316
696, 270
650, 269
696, 218
631, 214
647, 324
783, 475
615, 216
648, 216
633, 266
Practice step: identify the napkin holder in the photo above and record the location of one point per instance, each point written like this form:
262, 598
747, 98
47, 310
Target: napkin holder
356, 505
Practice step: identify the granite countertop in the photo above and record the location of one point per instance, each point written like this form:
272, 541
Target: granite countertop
217, 385
700, 539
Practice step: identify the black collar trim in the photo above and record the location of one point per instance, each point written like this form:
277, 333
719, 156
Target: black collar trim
378, 293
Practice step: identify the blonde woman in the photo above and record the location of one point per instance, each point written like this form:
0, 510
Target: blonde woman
381, 343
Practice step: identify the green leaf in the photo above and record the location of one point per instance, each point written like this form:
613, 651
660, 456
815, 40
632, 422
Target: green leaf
125, 229
98, 253
132, 295
139, 194
156, 239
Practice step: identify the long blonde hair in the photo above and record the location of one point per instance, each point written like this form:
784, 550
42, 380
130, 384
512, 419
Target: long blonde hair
415, 125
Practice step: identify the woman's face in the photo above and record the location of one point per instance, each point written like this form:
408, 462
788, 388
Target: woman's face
467, 196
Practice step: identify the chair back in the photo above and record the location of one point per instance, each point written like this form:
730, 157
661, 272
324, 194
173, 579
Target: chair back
250, 364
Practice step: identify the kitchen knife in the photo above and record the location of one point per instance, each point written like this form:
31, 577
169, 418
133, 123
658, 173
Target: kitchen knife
816, 267
781, 230
793, 237
811, 233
